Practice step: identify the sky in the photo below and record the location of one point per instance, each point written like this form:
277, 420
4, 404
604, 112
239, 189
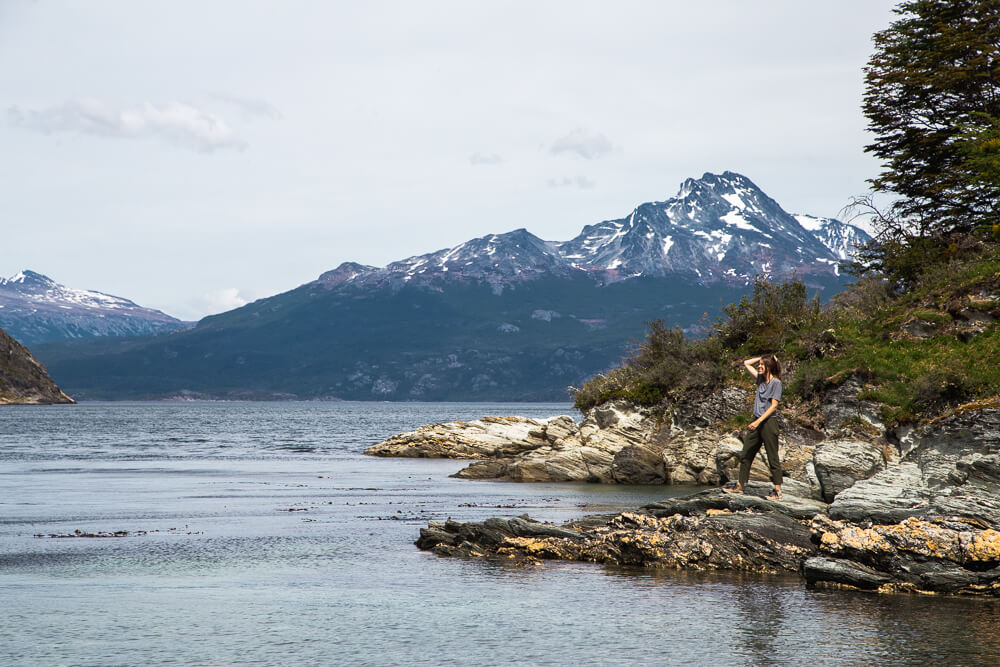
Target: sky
194, 156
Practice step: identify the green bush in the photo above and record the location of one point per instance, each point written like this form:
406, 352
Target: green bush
763, 320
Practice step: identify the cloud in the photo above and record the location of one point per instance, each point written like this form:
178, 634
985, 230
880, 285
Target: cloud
249, 105
176, 122
583, 143
477, 159
222, 300
581, 182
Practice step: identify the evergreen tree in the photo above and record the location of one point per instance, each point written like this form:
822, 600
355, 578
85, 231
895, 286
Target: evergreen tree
932, 99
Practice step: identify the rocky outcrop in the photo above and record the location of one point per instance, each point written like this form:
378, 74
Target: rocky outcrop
722, 536
951, 469
23, 380
838, 464
489, 437
926, 522
571, 452
842, 407
942, 556
605, 447
615, 443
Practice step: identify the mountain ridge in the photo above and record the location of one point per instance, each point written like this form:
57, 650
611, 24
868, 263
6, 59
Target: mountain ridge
712, 232
36, 309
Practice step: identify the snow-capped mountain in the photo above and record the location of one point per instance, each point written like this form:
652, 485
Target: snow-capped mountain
841, 238
36, 309
496, 259
719, 229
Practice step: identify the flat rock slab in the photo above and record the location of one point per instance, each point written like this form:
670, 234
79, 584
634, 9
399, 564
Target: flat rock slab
716, 499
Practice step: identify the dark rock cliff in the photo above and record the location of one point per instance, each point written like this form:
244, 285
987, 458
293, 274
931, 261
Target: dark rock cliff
22, 378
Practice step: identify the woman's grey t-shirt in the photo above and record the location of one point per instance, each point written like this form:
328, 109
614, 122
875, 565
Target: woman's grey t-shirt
765, 392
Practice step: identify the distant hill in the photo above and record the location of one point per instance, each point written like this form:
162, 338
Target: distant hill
22, 378
502, 317
36, 309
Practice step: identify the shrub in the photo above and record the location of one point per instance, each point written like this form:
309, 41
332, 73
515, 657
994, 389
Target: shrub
940, 388
762, 321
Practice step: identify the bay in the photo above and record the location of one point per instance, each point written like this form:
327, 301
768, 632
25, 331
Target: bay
258, 534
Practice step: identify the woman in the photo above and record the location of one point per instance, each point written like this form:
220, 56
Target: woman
764, 427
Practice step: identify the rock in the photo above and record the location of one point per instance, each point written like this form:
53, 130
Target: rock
23, 379
841, 463
753, 500
640, 464
713, 410
756, 542
489, 437
952, 470
916, 555
842, 573
616, 443
919, 328
530, 450
579, 464
841, 406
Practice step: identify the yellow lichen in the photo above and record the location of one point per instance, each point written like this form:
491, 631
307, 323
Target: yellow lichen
985, 546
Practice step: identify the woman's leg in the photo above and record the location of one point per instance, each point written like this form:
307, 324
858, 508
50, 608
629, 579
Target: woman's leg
769, 434
751, 445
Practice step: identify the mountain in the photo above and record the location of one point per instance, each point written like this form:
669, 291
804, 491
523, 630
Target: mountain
841, 238
22, 378
718, 230
501, 317
36, 309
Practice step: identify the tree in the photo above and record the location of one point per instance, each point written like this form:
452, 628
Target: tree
932, 98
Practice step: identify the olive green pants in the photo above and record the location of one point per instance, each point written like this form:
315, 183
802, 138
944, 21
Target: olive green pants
766, 433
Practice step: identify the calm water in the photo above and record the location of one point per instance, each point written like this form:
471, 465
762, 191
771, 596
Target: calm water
259, 535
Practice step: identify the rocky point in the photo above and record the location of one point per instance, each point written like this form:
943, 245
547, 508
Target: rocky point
915, 510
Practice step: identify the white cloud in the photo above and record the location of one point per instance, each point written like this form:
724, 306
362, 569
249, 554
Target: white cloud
249, 105
477, 159
175, 122
583, 143
581, 182
222, 300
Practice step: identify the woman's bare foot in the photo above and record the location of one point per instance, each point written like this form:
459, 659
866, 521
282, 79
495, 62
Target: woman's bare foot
735, 489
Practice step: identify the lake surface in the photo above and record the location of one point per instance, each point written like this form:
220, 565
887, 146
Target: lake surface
257, 534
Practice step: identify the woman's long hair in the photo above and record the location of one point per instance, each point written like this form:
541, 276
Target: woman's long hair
772, 365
